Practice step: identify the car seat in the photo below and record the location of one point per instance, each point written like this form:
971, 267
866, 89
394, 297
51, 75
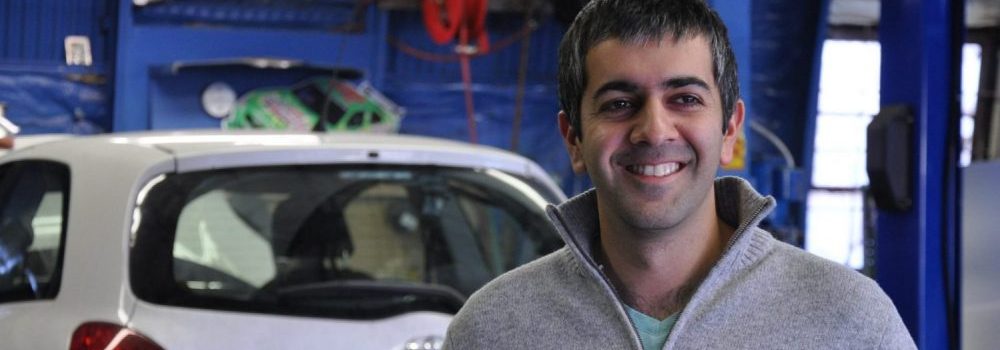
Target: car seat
307, 239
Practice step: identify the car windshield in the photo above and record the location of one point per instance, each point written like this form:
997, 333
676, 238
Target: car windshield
356, 241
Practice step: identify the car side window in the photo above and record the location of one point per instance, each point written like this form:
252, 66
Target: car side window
215, 249
501, 237
33, 205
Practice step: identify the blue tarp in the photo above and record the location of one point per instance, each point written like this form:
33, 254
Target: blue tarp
438, 110
50, 103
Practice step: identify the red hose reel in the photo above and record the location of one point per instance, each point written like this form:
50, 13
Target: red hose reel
446, 19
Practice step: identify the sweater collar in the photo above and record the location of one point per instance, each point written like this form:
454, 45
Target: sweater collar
737, 203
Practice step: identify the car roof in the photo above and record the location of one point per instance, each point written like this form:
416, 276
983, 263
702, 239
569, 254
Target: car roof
212, 149
182, 143
25, 141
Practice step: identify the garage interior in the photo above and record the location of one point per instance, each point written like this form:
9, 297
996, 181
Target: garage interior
814, 75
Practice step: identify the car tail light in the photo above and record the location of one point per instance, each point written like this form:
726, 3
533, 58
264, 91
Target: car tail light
107, 336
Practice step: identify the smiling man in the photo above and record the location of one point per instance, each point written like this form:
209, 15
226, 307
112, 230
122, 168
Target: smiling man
661, 254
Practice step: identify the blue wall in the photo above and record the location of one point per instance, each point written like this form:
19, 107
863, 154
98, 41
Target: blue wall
433, 92
787, 39
41, 93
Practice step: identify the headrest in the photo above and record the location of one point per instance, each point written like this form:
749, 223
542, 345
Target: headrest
304, 228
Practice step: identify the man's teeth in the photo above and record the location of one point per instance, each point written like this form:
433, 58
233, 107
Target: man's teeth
655, 170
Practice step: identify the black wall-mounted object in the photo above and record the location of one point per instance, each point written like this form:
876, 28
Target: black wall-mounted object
890, 158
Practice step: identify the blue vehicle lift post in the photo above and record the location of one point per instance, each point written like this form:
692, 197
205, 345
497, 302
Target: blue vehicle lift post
916, 255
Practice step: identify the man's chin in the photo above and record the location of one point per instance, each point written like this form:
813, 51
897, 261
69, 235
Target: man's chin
649, 220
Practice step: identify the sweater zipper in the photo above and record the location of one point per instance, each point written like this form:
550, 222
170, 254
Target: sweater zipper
746, 225
680, 314
729, 245
621, 303
589, 260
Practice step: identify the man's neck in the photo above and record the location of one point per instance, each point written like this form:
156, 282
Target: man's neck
657, 274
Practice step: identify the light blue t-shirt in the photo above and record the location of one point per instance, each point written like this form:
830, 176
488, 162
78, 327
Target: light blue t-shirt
652, 332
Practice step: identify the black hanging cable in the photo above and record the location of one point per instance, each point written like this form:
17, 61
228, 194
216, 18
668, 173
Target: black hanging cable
522, 78
334, 75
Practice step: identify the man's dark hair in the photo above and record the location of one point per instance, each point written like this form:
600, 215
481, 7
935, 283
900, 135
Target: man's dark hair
639, 22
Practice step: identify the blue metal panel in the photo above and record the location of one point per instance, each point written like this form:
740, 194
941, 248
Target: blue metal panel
42, 93
32, 32
145, 48
734, 14
288, 14
918, 69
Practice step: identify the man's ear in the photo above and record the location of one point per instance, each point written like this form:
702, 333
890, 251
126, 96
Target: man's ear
732, 132
572, 142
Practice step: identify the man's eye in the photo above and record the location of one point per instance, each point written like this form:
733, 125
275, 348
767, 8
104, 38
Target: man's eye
687, 100
616, 105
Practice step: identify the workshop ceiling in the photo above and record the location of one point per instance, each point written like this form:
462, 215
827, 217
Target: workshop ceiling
979, 13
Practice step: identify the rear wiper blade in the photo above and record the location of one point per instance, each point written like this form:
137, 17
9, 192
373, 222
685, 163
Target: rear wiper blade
373, 294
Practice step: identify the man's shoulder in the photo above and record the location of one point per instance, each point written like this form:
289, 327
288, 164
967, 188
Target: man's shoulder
526, 282
806, 266
507, 309
834, 284
818, 299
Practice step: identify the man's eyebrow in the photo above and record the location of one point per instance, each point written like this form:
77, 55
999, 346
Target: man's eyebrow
616, 85
630, 87
679, 82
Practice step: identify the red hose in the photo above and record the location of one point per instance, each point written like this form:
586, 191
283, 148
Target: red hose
467, 18
443, 28
470, 109
475, 16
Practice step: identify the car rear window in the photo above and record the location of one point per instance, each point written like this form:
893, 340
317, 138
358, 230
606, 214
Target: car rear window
34, 197
333, 241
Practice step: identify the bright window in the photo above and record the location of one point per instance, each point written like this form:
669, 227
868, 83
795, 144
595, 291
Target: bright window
848, 99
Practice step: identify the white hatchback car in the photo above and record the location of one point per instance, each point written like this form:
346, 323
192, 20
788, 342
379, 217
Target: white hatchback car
257, 240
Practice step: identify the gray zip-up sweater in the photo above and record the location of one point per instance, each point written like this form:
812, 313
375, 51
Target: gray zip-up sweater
761, 294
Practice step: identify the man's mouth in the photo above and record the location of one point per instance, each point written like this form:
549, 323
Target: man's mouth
657, 170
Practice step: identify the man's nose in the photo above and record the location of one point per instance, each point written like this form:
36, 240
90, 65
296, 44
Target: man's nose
654, 125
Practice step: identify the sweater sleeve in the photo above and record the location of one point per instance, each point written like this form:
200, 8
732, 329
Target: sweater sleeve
463, 330
895, 335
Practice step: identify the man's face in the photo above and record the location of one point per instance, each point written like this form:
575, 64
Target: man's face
651, 120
